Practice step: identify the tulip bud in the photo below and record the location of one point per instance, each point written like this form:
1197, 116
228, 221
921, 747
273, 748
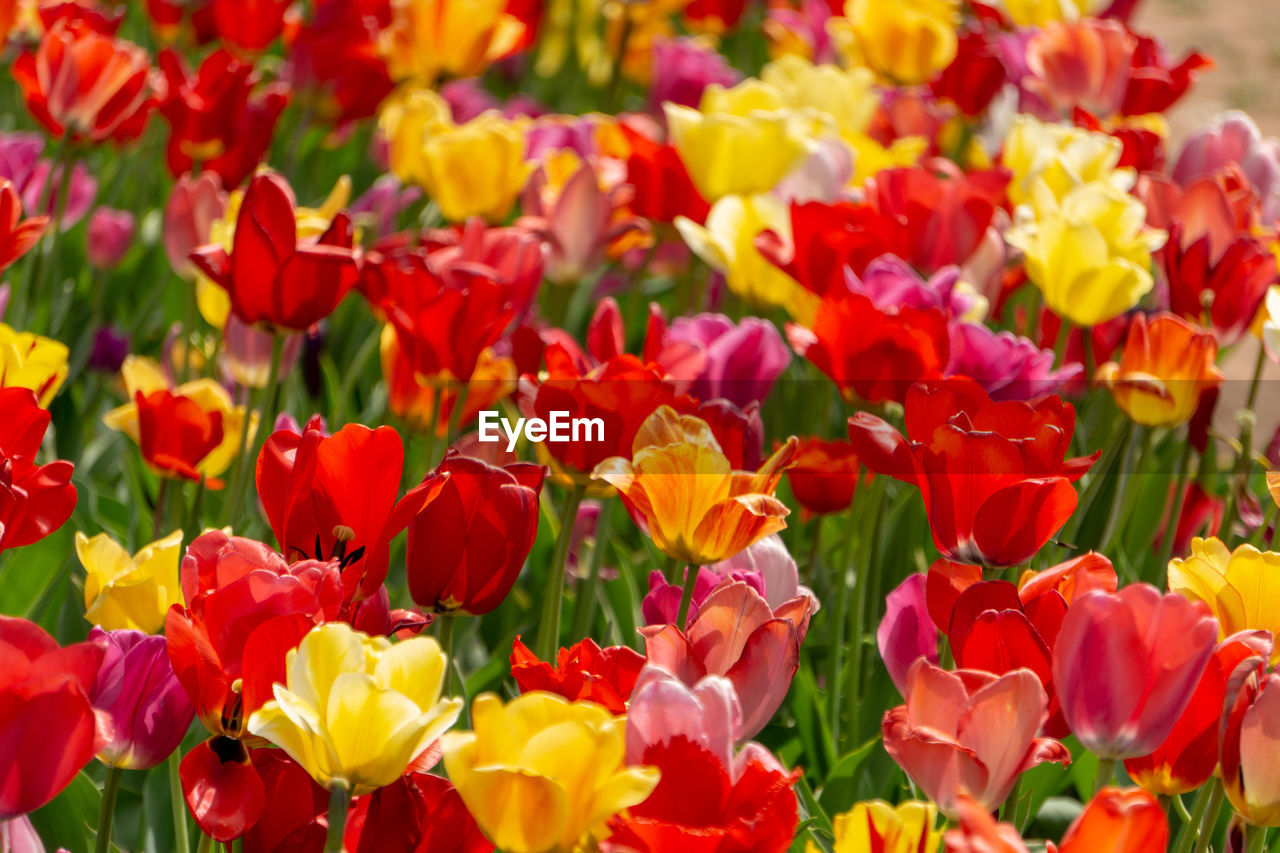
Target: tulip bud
109, 236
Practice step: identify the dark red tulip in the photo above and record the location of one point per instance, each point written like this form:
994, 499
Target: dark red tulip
293, 819
974, 77
223, 791
35, 500
824, 475
419, 812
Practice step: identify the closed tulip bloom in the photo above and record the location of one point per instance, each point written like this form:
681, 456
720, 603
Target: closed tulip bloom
136, 691
542, 774
907, 634
1081, 65
475, 169
728, 154
1123, 705
35, 500
17, 235
194, 205
824, 476
1241, 587
1165, 368
698, 510
969, 732
1088, 252
355, 710
32, 361
1250, 750
109, 236
876, 825
1118, 821
129, 592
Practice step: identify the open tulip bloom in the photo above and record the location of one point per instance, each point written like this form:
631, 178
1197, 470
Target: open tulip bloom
661, 426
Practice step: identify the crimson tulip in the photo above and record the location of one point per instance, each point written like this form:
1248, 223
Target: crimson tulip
176, 433
35, 500
468, 543
333, 497
417, 812
334, 61
249, 24
582, 672
273, 278
17, 235
293, 819
824, 475
48, 727
663, 188
1126, 664
993, 475
975, 76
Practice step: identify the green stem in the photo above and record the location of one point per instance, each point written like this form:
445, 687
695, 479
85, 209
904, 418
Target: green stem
1125, 495
1257, 838
444, 635
1240, 476
1258, 366
549, 627
841, 608
455, 413
1205, 831
339, 800
1179, 500
109, 791
1106, 770
181, 842
157, 516
686, 597
269, 399
1187, 835
188, 325
206, 844
862, 577
585, 608
29, 297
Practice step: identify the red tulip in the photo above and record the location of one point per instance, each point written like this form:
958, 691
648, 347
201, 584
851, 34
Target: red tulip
221, 787
1118, 821
582, 672
1189, 755
86, 84
895, 348
47, 723
334, 59
35, 500
468, 543
17, 235
418, 812
334, 498
273, 279
1247, 738
249, 24
824, 475
993, 475
969, 732
293, 819
1126, 664
216, 118
1155, 84
663, 189
175, 434
974, 77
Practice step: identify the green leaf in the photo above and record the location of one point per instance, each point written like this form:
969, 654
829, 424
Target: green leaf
71, 819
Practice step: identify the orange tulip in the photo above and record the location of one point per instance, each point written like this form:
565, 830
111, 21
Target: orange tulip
697, 508
1116, 821
1166, 365
17, 235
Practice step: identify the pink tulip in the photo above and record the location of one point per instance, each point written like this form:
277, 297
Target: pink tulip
766, 565
194, 205
1234, 138
741, 361
737, 635
890, 282
969, 732
662, 707
109, 236
1125, 664
383, 203
1007, 366
248, 352
19, 836
683, 68
137, 693
907, 633
1081, 65
84, 186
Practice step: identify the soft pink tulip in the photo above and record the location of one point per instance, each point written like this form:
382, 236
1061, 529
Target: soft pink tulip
1234, 138
84, 187
663, 707
907, 633
737, 635
683, 68
740, 362
19, 836
109, 236
969, 732
1125, 664
194, 205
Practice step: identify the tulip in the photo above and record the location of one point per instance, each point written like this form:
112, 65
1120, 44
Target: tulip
143, 701
824, 476
741, 360
969, 732
716, 147
1239, 587
1088, 252
44, 191
35, 500
1118, 821
382, 205
906, 43
706, 793
19, 235
737, 634
334, 60
1037, 13
109, 236
877, 825
1008, 367
194, 205
906, 633
474, 169
427, 38
123, 592
583, 672
271, 277
978, 831
543, 774
216, 117
1166, 367
32, 361
405, 120
156, 410
110, 349
468, 543
975, 77
1248, 743
248, 353
661, 183
1125, 705
415, 401
727, 244
386, 706
1004, 515
334, 498
1234, 138
295, 806
87, 85
417, 812
1059, 157
706, 512
249, 24
46, 719
1081, 65
17, 835
684, 67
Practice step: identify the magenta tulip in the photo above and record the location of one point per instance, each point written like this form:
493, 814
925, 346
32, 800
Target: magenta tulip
907, 633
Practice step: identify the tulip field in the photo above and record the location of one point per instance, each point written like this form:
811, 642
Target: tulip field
633, 426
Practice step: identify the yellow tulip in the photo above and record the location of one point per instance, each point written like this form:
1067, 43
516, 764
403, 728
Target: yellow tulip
1090, 253
428, 37
32, 361
879, 826
1059, 157
906, 41
1037, 13
1166, 367
146, 376
727, 244
870, 157
543, 774
728, 153
847, 96
475, 169
406, 119
1241, 587
355, 709
129, 592
699, 510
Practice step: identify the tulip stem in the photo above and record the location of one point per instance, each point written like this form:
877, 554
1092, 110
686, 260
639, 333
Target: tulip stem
1175, 514
844, 584
1106, 770
206, 843
1205, 831
549, 626
455, 415
339, 800
109, 791
590, 589
445, 637
1187, 835
686, 597
1257, 838
181, 843
267, 401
